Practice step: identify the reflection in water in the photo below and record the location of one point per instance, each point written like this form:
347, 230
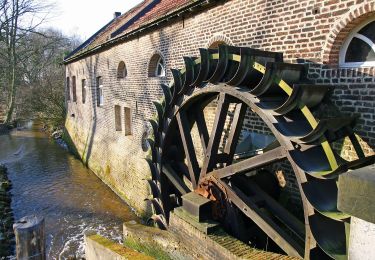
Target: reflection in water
49, 182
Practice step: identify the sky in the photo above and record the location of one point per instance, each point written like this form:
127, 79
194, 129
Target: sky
84, 17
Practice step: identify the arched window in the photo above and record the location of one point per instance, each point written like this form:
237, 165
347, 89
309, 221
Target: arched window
215, 45
156, 67
359, 48
121, 70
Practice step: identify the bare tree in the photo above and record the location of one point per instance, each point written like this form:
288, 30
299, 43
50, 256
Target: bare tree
42, 93
18, 18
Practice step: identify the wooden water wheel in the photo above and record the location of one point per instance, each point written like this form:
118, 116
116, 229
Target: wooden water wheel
234, 82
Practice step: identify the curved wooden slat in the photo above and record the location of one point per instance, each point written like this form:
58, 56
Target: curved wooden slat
177, 84
204, 66
167, 94
157, 206
154, 189
243, 68
154, 151
314, 162
155, 175
301, 132
160, 221
330, 235
303, 94
160, 111
246, 75
322, 195
155, 130
275, 71
221, 65
189, 75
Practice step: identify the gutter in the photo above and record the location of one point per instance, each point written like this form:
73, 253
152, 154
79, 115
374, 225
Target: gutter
174, 14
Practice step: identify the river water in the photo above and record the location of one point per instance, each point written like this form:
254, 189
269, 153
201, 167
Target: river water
50, 182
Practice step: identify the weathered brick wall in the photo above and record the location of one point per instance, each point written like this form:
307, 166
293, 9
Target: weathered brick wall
304, 30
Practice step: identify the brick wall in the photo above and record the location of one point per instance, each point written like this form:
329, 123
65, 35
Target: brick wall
304, 30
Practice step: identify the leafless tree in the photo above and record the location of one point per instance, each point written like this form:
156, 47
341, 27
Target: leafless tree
18, 18
42, 93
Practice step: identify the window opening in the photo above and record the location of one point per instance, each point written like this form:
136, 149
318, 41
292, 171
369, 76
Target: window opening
118, 118
128, 121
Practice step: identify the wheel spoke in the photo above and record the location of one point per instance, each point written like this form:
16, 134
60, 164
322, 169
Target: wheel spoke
215, 137
202, 129
175, 180
235, 131
252, 163
250, 209
289, 220
188, 145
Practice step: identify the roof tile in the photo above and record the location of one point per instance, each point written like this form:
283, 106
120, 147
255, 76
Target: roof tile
158, 10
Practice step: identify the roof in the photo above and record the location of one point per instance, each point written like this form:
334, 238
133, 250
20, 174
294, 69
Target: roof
133, 20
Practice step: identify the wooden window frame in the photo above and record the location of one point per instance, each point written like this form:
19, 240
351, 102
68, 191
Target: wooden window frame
345, 46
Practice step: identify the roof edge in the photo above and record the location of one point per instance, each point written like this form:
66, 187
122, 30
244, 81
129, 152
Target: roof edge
192, 7
89, 40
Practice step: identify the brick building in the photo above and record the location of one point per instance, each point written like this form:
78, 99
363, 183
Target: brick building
114, 76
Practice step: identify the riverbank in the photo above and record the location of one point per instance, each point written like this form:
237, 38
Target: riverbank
49, 182
5, 128
6, 215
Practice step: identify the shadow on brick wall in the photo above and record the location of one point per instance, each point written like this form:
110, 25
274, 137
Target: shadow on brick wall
352, 95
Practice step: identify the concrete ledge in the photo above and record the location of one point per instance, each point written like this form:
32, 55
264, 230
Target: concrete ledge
207, 227
356, 193
100, 248
183, 241
152, 241
216, 245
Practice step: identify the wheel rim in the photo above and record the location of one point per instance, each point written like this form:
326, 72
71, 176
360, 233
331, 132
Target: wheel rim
251, 78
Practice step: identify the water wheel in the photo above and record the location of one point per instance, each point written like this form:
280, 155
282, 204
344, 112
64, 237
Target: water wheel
232, 83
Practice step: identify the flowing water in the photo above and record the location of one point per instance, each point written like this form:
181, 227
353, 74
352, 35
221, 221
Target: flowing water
50, 182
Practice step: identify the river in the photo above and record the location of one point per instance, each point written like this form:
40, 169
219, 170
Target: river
50, 182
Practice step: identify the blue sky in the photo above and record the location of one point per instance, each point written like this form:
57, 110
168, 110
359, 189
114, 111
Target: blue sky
85, 17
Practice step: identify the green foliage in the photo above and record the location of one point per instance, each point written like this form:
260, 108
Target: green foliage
147, 249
